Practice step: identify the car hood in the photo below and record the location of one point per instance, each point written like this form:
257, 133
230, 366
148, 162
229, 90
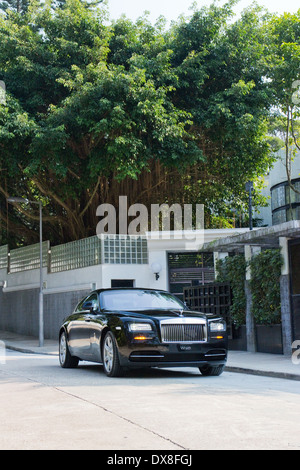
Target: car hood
163, 314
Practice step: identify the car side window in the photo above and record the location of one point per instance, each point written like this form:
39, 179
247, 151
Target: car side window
90, 298
79, 306
94, 299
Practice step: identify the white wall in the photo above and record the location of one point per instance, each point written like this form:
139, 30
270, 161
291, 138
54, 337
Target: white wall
159, 244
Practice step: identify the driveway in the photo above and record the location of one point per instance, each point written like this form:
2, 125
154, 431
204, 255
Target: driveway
46, 407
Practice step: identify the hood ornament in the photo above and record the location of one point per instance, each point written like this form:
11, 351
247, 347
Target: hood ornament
178, 312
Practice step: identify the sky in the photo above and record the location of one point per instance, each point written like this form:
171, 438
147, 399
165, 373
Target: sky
172, 9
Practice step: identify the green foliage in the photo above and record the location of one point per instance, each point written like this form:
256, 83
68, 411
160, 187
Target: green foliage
283, 74
232, 269
81, 117
284, 60
92, 107
18, 6
265, 287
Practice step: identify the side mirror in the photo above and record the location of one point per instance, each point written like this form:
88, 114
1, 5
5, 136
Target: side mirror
90, 305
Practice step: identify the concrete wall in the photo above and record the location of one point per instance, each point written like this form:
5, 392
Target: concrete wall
19, 311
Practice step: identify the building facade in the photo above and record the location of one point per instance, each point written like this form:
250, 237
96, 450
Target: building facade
158, 260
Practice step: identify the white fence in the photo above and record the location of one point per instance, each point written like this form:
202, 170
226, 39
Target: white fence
74, 255
27, 258
3, 257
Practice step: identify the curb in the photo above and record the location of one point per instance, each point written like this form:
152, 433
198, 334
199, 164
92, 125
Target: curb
29, 351
235, 369
263, 373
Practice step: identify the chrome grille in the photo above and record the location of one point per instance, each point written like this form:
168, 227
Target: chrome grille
183, 332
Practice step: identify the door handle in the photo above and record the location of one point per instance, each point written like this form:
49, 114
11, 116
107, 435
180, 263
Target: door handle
87, 319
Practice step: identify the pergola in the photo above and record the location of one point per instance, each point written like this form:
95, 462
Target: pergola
250, 243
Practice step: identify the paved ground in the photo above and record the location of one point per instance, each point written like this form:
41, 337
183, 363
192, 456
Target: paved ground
46, 407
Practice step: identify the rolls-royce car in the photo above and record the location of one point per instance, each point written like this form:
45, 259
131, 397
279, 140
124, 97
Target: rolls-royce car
125, 328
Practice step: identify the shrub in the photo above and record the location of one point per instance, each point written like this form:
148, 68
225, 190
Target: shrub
233, 270
265, 287
264, 284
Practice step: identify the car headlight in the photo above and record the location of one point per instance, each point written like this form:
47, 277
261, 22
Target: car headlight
140, 327
215, 326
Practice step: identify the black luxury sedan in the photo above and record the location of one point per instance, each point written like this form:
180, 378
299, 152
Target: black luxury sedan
129, 327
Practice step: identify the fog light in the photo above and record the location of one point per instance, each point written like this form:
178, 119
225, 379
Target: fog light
140, 337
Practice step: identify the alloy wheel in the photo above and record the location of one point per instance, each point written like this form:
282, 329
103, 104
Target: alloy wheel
62, 349
108, 353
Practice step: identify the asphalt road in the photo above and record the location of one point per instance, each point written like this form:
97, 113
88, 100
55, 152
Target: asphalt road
46, 407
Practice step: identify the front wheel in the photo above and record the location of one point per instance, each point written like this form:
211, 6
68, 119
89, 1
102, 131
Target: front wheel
110, 356
66, 360
211, 370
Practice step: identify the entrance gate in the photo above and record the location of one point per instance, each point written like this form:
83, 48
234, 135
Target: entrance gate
189, 269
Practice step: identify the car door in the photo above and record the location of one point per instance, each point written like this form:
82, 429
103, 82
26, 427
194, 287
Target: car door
98, 320
80, 329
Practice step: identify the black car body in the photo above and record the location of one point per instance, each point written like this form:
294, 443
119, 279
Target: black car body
126, 328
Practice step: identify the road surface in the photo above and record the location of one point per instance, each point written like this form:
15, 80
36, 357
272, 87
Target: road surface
46, 407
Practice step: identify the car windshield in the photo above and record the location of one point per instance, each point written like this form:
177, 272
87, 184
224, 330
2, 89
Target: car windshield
139, 300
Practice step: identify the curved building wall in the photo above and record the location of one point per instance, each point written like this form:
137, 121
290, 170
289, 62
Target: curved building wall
283, 203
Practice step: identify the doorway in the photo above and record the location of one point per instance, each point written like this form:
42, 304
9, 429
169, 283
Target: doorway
122, 283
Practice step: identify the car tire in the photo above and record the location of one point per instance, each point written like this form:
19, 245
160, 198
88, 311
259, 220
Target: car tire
211, 370
65, 359
110, 356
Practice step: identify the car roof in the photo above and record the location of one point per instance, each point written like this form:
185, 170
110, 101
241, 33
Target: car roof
127, 288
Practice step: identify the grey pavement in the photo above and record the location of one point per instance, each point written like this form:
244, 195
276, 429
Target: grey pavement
270, 365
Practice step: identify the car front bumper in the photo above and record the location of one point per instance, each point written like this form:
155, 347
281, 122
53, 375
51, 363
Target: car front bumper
147, 354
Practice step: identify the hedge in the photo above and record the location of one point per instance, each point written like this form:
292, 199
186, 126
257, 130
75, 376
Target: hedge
264, 284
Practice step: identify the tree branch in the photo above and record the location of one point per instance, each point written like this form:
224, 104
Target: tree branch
288, 162
91, 198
